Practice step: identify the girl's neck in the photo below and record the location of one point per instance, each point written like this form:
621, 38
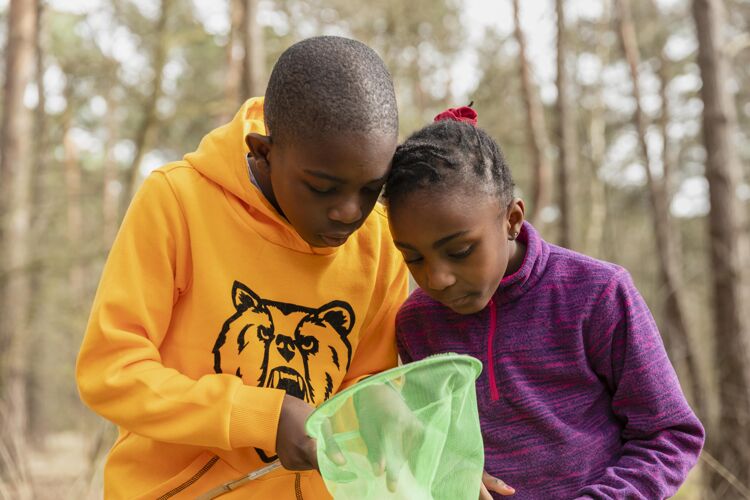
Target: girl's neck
516, 254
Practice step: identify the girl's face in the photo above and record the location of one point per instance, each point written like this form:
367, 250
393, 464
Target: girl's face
456, 245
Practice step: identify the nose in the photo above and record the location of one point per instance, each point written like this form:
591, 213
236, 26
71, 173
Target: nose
285, 346
348, 211
439, 277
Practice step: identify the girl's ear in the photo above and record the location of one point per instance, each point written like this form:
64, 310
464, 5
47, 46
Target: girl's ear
260, 147
516, 213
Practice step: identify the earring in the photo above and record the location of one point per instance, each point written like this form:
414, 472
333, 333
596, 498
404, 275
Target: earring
512, 236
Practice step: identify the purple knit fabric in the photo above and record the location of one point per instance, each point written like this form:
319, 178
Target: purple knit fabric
585, 403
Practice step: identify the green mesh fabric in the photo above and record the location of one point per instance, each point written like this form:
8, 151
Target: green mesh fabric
435, 444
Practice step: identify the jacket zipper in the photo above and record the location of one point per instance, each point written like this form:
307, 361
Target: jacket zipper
298, 486
494, 393
190, 481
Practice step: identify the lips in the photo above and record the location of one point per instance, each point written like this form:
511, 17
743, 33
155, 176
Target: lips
456, 301
335, 239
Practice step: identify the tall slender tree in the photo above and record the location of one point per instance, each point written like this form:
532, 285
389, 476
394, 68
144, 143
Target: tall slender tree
255, 59
17, 186
235, 60
675, 326
597, 139
15, 170
537, 133
565, 135
149, 116
729, 438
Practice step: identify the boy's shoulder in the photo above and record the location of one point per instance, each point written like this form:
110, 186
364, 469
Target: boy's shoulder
179, 177
176, 171
377, 224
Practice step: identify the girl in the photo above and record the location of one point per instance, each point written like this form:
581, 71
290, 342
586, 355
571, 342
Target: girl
577, 398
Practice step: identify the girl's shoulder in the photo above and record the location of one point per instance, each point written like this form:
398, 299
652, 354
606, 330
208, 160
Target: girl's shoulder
418, 299
419, 304
564, 262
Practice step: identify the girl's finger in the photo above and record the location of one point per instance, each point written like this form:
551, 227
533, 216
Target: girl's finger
494, 484
484, 494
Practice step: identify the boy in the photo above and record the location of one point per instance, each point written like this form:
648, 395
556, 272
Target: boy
242, 291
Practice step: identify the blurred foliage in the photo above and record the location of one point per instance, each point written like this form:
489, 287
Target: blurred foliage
88, 83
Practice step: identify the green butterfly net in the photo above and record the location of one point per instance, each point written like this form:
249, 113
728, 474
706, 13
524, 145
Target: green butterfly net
411, 432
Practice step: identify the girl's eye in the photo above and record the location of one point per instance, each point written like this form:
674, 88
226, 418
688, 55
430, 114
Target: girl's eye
461, 254
319, 190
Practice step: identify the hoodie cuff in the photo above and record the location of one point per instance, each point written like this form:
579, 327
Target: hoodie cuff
255, 417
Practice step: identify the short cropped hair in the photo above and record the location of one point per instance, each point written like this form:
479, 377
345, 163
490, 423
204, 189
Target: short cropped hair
329, 84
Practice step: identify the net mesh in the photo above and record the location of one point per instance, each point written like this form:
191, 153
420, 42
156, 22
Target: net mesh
418, 420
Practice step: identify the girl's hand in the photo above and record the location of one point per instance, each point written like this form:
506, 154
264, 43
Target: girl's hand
490, 483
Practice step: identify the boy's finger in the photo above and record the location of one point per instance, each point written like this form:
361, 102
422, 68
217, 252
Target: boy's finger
375, 454
394, 461
392, 471
332, 449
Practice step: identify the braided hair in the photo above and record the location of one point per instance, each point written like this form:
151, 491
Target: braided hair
449, 154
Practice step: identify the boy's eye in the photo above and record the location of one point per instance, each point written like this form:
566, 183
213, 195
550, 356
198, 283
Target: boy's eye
373, 189
319, 190
462, 253
412, 259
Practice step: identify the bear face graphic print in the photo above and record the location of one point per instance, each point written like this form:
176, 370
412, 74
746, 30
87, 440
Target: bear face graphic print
303, 350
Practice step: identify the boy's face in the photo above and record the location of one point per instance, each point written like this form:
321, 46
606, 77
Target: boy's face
456, 244
326, 187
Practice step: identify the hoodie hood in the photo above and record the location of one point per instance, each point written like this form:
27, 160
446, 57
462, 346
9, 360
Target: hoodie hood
222, 158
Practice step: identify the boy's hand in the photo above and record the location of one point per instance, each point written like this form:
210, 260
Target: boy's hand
296, 450
490, 483
390, 429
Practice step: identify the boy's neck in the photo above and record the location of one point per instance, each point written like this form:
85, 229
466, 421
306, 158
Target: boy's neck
262, 182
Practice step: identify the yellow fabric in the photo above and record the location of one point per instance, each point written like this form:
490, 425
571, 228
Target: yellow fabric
201, 267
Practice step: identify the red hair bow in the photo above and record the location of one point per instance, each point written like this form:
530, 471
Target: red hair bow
462, 114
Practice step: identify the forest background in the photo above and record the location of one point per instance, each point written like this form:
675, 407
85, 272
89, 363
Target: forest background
625, 123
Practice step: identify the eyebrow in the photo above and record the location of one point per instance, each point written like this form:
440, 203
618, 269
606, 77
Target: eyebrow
333, 178
437, 244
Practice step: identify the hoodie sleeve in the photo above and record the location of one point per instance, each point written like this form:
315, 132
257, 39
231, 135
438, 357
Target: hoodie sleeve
376, 350
119, 371
661, 435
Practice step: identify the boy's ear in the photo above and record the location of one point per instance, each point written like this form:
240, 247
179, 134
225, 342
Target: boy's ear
260, 147
516, 215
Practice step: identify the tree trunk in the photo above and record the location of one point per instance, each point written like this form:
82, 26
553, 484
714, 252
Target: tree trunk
15, 175
39, 222
597, 130
110, 189
538, 140
255, 58
729, 438
148, 120
675, 329
565, 134
235, 60
74, 218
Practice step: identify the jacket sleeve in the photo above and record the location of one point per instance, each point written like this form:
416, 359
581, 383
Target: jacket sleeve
662, 438
376, 350
120, 373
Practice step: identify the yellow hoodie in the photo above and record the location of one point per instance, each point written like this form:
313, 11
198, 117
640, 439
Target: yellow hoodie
209, 307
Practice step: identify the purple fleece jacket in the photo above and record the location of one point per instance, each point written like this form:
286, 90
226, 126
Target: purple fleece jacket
577, 398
